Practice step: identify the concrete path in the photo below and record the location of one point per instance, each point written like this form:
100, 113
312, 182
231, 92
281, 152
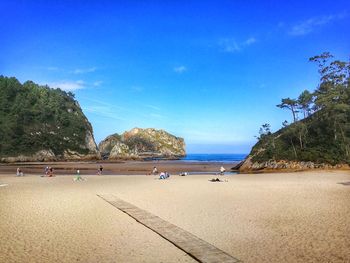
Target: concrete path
195, 247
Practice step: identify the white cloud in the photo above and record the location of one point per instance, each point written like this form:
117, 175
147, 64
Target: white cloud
309, 25
97, 83
180, 69
153, 107
83, 70
68, 85
230, 45
249, 41
155, 115
103, 111
71, 85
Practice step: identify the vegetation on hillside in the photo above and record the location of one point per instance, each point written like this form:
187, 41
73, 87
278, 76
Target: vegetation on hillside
320, 131
34, 118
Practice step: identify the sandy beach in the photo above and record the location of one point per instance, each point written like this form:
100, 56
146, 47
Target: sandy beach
116, 168
289, 217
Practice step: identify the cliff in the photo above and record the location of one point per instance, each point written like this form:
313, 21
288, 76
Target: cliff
319, 136
38, 123
142, 143
319, 141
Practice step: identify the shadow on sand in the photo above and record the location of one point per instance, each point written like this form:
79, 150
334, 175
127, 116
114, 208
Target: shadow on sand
345, 183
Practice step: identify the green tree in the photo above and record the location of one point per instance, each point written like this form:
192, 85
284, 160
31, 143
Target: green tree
304, 102
290, 104
34, 118
323, 135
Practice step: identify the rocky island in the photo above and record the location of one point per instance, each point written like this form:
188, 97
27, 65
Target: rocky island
142, 144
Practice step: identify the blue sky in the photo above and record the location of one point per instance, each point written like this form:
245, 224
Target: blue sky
209, 71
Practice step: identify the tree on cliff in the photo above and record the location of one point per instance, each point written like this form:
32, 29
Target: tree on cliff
333, 96
323, 135
290, 104
304, 102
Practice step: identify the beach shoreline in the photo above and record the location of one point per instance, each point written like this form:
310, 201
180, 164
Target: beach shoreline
117, 168
290, 217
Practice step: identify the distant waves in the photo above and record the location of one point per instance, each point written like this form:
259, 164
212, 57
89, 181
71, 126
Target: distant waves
227, 158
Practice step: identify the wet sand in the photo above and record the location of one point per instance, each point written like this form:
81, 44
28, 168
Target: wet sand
116, 168
289, 217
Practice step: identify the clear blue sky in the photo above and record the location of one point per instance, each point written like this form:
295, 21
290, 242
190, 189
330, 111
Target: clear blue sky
209, 71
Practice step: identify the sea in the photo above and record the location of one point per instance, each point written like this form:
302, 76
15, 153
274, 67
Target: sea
214, 157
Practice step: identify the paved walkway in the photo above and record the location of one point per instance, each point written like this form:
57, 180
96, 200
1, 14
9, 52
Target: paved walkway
195, 247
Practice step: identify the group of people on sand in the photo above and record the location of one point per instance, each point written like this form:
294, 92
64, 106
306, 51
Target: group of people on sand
222, 172
166, 175
162, 175
48, 172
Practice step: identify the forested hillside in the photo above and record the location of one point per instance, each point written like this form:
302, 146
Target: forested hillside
320, 131
37, 118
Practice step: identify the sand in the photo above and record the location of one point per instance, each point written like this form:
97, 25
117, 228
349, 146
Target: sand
289, 217
117, 168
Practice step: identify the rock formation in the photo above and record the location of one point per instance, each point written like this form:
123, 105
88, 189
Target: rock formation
38, 123
248, 166
142, 143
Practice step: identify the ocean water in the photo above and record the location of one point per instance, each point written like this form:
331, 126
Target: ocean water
214, 157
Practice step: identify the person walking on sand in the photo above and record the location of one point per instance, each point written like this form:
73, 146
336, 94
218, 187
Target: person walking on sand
155, 170
222, 170
99, 172
78, 176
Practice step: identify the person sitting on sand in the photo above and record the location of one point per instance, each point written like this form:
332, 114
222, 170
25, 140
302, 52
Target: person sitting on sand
19, 172
215, 180
164, 175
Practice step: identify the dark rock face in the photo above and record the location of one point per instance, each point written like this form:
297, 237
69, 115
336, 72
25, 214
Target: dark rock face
282, 165
142, 143
38, 123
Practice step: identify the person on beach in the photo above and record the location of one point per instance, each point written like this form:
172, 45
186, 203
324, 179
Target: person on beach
19, 172
222, 170
99, 172
155, 170
50, 172
78, 176
46, 171
164, 175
